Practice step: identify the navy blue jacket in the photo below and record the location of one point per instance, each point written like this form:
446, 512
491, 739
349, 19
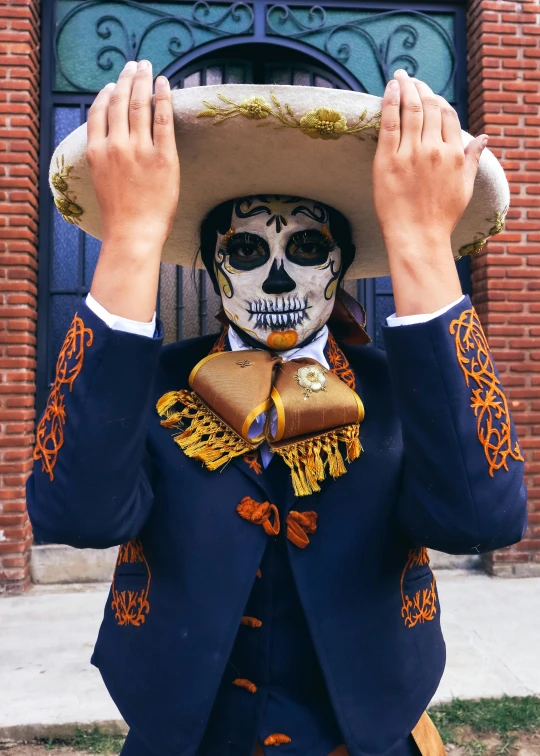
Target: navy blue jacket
441, 468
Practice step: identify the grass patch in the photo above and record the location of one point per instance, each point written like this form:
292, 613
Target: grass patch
469, 723
92, 741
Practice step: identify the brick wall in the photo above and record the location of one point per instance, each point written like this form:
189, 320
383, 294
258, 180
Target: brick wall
19, 129
504, 99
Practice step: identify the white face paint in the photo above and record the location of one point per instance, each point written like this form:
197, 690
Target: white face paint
278, 269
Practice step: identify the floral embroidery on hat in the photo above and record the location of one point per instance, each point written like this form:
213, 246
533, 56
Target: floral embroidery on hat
320, 123
66, 204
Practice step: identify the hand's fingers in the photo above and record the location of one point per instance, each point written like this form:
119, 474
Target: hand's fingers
163, 133
431, 129
389, 132
412, 112
140, 104
97, 122
119, 103
451, 128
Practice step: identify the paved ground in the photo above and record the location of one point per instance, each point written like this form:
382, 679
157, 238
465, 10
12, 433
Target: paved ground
491, 626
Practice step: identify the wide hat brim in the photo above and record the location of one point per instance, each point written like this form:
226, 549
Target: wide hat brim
235, 140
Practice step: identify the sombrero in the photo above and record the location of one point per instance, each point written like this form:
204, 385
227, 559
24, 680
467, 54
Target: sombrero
240, 139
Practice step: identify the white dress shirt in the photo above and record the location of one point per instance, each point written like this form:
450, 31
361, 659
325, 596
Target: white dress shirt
315, 349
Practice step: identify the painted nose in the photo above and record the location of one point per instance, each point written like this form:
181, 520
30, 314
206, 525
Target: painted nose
278, 281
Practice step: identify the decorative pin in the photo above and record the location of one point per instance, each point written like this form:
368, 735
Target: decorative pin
312, 379
244, 363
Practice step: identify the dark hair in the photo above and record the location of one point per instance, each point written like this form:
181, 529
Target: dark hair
219, 220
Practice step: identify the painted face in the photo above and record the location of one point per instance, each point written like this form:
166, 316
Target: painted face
278, 269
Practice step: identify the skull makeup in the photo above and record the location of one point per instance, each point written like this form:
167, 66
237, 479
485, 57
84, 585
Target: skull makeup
277, 269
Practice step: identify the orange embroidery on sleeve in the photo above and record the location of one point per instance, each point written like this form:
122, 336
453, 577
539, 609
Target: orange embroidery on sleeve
252, 459
241, 683
131, 607
339, 364
488, 399
50, 431
276, 739
299, 525
221, 343
422, 607
259, 514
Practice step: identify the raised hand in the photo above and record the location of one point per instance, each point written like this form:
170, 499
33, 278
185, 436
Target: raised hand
135, 169
423, 180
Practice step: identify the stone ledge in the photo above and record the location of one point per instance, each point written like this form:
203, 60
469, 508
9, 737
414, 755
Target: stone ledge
55, 563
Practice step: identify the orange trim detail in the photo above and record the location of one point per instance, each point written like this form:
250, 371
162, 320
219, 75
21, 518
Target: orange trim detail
252, 460
131, 607
299, 524
488, 399
247, 684
259, 514
259, 574
250, 622
339, 364
50, 431
277, 739
221, 343
423, 606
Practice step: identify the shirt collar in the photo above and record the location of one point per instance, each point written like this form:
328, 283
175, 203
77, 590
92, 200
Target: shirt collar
315, 348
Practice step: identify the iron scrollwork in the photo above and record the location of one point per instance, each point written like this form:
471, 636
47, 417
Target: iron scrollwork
314, 26
214, 19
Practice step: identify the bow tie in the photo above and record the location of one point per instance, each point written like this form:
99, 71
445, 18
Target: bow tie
314, 408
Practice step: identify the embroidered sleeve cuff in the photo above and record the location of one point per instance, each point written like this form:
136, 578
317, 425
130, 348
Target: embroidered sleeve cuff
118, 323
392, 320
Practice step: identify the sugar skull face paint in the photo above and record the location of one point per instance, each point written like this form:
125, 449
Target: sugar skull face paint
278, 268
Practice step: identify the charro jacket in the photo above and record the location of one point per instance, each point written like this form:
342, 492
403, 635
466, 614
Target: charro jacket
440, 468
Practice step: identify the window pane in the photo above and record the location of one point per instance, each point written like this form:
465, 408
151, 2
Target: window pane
301, 79
65, 262
192, 81
384, 306
92, 247
168, 301
214, 75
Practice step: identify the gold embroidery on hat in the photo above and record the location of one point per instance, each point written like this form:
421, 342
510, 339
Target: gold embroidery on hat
130, 607
69, 210
488, 400
477, 245
423, 605
50, 431
321, 123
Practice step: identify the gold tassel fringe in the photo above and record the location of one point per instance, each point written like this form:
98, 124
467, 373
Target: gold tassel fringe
207, 438
308, 459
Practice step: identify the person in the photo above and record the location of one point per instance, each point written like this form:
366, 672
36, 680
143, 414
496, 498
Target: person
273, 493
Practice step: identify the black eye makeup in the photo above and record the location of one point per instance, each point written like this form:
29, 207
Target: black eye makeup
246, 251
310, 247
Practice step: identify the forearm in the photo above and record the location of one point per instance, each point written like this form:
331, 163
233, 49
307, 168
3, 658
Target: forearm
126, 278
423, 271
